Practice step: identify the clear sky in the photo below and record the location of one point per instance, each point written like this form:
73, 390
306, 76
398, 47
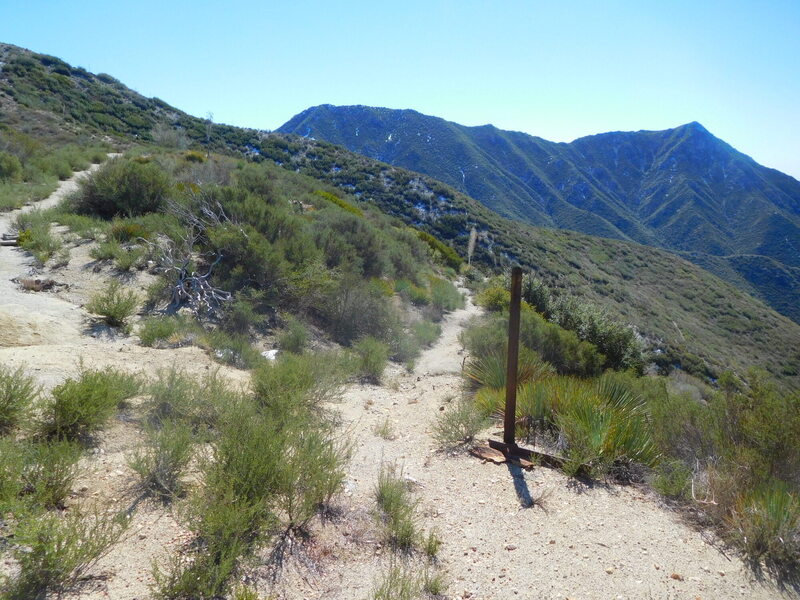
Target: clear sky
556, 69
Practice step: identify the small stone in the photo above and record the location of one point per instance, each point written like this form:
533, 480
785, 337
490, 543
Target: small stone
677, 577
511, 547
552, 541
721, 573
656, 567
610, 570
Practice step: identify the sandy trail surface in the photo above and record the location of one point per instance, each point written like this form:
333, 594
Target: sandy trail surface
27, 318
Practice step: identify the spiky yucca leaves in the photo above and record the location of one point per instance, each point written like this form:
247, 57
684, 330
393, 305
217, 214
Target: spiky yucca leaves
490, 370
602, 430
601, 422
765, 523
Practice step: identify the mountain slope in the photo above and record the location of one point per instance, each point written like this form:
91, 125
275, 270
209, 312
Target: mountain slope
698, 321
701, 322
681, 189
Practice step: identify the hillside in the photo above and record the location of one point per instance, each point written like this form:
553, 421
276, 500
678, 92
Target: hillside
704, 325
45, 97
681, 189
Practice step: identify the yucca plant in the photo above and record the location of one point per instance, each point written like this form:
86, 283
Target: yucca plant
599, 434
765, 523
490, 370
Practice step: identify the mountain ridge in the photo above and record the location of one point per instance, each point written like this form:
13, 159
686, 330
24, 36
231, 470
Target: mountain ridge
681, 189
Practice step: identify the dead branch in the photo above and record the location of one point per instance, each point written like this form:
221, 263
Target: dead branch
192, 288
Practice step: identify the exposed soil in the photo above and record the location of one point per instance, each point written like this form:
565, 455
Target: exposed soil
575, 541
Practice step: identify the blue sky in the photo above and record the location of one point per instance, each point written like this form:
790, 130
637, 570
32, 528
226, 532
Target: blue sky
559, 70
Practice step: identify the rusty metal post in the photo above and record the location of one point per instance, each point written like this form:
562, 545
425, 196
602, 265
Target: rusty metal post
509, 423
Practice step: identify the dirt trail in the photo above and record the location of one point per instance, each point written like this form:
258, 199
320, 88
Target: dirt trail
584, 543
28, 319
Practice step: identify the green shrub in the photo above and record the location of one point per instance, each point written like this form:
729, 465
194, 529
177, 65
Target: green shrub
49, 471
398, 510
126, 231
18, 392
601, 435
398, 583
35, 235
372, 358
175, 396
459, 424
122, 187
79, 407
765, 523
672, 478
559, 347
418, 296
232, 349
618, 342
426, 332
441, 251
494, 299
114, 304
106, 250
54, 551
129, 258
241, 315
84, 226
98, 156
271, 458
405, 349
431, 544
490, 370
384, 430
15, 195
357, 309
333, 198
310, 474
314, 379
12, 464
158, 329
294, 336
433, 584
194, 156
10, 168
445, 296
161, 463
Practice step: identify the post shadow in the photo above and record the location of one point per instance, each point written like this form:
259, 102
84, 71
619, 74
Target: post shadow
520, 485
